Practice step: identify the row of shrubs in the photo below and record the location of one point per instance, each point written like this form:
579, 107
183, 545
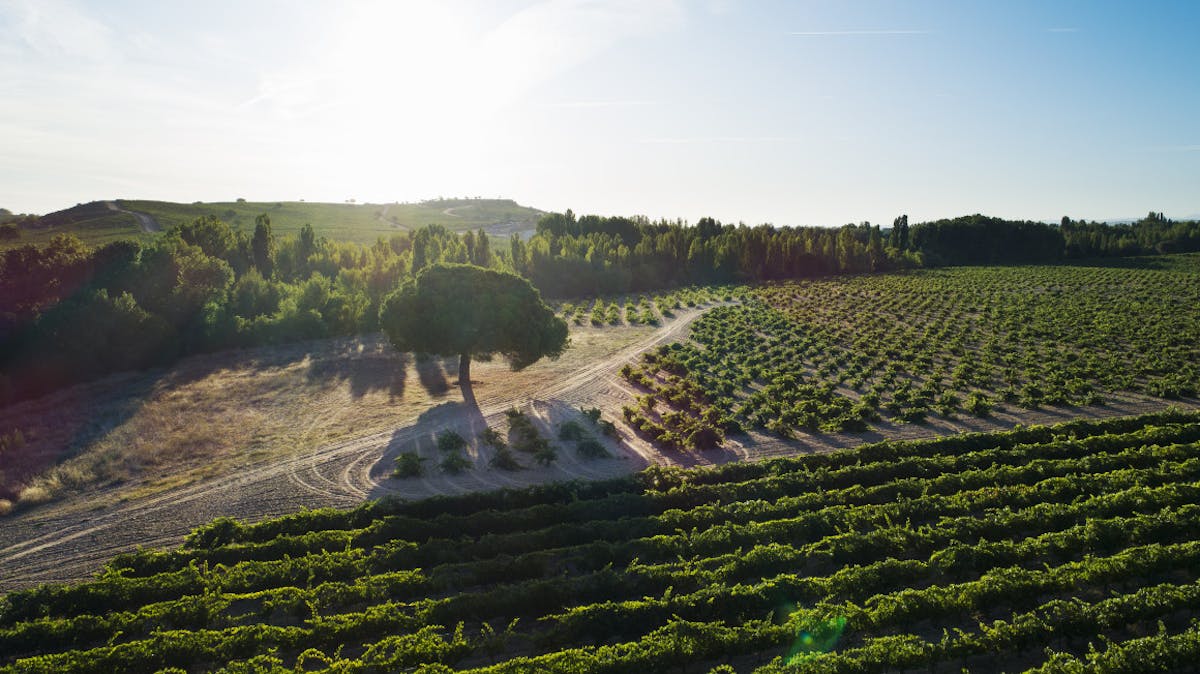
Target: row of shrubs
523, 437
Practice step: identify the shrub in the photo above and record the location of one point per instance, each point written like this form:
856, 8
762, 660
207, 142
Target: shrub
492, 438
912, 415
978, 404
531, 444
571, 430
705, 437
545, 454
591, 448
505, 459
450, 441
593, 414
455, 463
947, 403
526, 435
408, 464
608, 428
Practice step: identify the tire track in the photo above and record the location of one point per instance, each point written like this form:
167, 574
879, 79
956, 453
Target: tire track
58, 543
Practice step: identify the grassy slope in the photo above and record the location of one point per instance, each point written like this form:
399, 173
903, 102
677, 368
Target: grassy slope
363, 223
93, 223
347, 222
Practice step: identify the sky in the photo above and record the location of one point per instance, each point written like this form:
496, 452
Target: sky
802, 112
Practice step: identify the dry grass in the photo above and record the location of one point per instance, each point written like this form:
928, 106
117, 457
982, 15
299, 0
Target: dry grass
208, 414
146, 433
35, 495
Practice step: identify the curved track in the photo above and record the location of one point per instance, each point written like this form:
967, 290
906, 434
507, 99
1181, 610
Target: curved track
67, 541
148, 224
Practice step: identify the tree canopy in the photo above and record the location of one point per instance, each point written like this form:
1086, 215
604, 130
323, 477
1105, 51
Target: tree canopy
471, 312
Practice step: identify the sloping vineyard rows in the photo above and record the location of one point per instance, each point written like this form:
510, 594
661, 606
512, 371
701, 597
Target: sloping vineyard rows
1053, 549
839, 354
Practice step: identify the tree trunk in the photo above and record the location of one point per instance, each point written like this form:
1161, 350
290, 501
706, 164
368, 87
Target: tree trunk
464, 379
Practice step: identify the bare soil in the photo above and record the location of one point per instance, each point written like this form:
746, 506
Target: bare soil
265, 432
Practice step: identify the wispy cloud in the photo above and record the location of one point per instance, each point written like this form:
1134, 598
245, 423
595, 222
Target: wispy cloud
599, 104
840, 33
58, 29
690, 140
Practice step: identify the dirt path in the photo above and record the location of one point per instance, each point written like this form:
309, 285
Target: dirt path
70, 540
450, 211
382, 217
147, 223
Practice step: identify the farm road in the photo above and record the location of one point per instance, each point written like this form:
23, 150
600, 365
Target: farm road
147, 223
71, 539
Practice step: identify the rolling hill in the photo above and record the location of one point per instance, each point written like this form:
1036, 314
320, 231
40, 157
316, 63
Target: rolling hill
99, 222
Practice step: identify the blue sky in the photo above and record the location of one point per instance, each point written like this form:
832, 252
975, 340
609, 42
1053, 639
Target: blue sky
793, 113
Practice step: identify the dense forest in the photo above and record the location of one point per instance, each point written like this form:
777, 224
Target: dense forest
69, 313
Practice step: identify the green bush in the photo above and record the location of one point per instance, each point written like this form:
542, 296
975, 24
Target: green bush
571, 430
978, 404
492, 438
408, 464
455, 463
450, 441
505, 459
591, 448
545, 454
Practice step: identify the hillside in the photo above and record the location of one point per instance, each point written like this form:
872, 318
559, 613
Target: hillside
95, 223
98, 222
1046, 549
352, 222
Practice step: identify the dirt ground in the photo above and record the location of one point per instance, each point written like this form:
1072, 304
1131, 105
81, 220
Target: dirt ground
265, 432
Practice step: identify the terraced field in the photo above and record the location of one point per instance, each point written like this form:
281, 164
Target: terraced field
1052, 549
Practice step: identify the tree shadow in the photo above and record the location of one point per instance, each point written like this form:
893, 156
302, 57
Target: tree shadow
58, 426
421, 438
364, 369
431, 371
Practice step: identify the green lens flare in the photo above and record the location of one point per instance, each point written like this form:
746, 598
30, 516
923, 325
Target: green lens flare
815, 638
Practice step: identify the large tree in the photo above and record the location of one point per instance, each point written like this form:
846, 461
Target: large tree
471, 312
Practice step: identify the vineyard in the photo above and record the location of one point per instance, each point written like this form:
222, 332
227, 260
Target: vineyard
1052, 549
645, 309
841, 354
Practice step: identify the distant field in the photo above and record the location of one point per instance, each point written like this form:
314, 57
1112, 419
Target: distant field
96, 224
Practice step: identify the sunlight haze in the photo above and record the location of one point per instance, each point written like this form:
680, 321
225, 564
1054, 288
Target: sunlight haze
793, 113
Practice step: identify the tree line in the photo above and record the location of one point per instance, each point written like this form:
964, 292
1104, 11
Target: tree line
69, 313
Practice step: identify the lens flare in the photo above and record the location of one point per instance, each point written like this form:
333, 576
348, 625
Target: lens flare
814, 638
